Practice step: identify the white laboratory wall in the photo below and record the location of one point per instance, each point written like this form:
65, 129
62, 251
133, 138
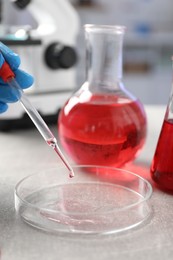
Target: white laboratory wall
158, 14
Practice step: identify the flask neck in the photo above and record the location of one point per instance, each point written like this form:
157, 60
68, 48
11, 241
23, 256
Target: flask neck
104, 46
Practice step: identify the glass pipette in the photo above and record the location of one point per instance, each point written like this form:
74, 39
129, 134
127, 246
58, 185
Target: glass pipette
9, 77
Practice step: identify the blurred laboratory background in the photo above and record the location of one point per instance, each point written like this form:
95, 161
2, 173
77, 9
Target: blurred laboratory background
147, 51
148, 42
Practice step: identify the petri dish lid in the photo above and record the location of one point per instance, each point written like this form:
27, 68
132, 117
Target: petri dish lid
98, 200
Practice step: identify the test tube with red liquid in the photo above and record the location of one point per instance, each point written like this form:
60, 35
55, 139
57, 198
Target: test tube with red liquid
162, 163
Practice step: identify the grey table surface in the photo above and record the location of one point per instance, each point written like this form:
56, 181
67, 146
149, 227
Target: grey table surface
24, 152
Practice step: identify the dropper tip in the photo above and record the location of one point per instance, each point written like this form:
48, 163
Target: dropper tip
71, 174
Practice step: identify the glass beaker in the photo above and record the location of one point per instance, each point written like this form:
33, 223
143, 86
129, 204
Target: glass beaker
162, 163
102, 123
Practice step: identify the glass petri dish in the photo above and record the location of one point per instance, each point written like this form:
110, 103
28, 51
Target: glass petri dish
98, 200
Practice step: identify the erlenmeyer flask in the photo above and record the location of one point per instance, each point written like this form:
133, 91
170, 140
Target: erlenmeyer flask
162, 163
102, 123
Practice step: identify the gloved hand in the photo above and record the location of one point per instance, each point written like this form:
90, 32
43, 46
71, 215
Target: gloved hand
24, 79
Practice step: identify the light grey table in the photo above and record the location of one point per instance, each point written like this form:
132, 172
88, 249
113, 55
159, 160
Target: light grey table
24, 152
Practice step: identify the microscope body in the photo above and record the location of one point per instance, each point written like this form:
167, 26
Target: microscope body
47, 51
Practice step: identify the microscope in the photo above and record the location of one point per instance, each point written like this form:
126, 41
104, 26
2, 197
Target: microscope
46, 47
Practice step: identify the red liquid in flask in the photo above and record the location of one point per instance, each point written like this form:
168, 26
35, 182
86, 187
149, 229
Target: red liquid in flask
104, 133
162, 164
